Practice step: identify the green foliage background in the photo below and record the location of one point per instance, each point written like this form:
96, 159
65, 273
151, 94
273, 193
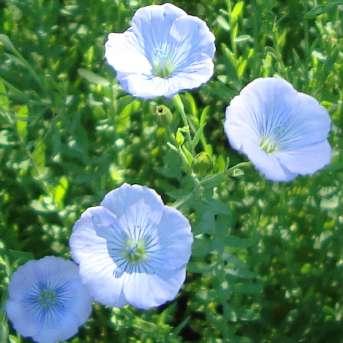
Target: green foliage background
267, 262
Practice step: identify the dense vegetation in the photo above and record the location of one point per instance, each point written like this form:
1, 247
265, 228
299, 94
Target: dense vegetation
267, 263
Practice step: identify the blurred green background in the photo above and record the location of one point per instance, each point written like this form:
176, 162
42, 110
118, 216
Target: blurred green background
267, 262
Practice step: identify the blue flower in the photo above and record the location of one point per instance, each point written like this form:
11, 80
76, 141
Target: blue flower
132, 249
282, 131
47, 300
163, 52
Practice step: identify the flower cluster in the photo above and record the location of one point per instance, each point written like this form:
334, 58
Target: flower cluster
132, 249
282, 131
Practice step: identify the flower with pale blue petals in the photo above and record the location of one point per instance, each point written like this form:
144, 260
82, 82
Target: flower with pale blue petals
282, 131
132, 249
163, 52
47, 300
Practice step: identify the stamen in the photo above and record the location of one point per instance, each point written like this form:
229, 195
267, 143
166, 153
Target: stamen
47, 298
268, 145
163, 65
135, 250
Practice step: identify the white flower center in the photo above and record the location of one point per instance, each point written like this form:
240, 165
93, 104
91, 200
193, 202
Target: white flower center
135, 250
162, 62
268, 145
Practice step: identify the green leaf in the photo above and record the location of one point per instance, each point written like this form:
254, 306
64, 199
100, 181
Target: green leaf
217, 206
178, 328
202, 247
247, 288
4, 102
124, 118
204, 115
21, 121
236, 12
179, 137
237, 242
38, 156
315, 11
60, 191
14, 258
187, 154
230, 61
92, 77
240, 273
197, 136
223, 23
7, 43
190, 104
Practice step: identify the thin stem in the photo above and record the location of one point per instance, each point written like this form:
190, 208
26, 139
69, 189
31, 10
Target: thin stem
177, 101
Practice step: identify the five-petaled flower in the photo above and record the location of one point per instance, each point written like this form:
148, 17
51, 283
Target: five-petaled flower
132, 249
163, 52
282, 131
47, 300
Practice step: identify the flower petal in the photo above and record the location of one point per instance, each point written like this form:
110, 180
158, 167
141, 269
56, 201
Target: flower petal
21, 321
123, 53
147, 86
239, 124
150, 290
80, 307
306, 160
23, 276
66, 328
269, 103
102, 283
187, 30
90, 244
152, 24
309, 123
56, 270
126, 195
85, 241
175, 240
268, 165
192, 75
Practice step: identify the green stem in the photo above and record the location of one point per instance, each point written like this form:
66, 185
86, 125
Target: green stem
241, 165
177, 101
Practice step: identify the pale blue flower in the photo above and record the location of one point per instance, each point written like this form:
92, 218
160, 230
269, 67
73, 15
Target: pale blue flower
132, 249
283, 132
47, 300
163, 52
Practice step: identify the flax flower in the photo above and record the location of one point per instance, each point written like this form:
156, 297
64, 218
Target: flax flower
282, 131
163, 52
132, 249
47, 300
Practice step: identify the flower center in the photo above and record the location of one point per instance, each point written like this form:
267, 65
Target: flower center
163, 69
162, 64
135, 251
47, 298
268, 145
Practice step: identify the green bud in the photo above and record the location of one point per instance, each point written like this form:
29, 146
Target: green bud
163, 114
179, 137
202, 164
